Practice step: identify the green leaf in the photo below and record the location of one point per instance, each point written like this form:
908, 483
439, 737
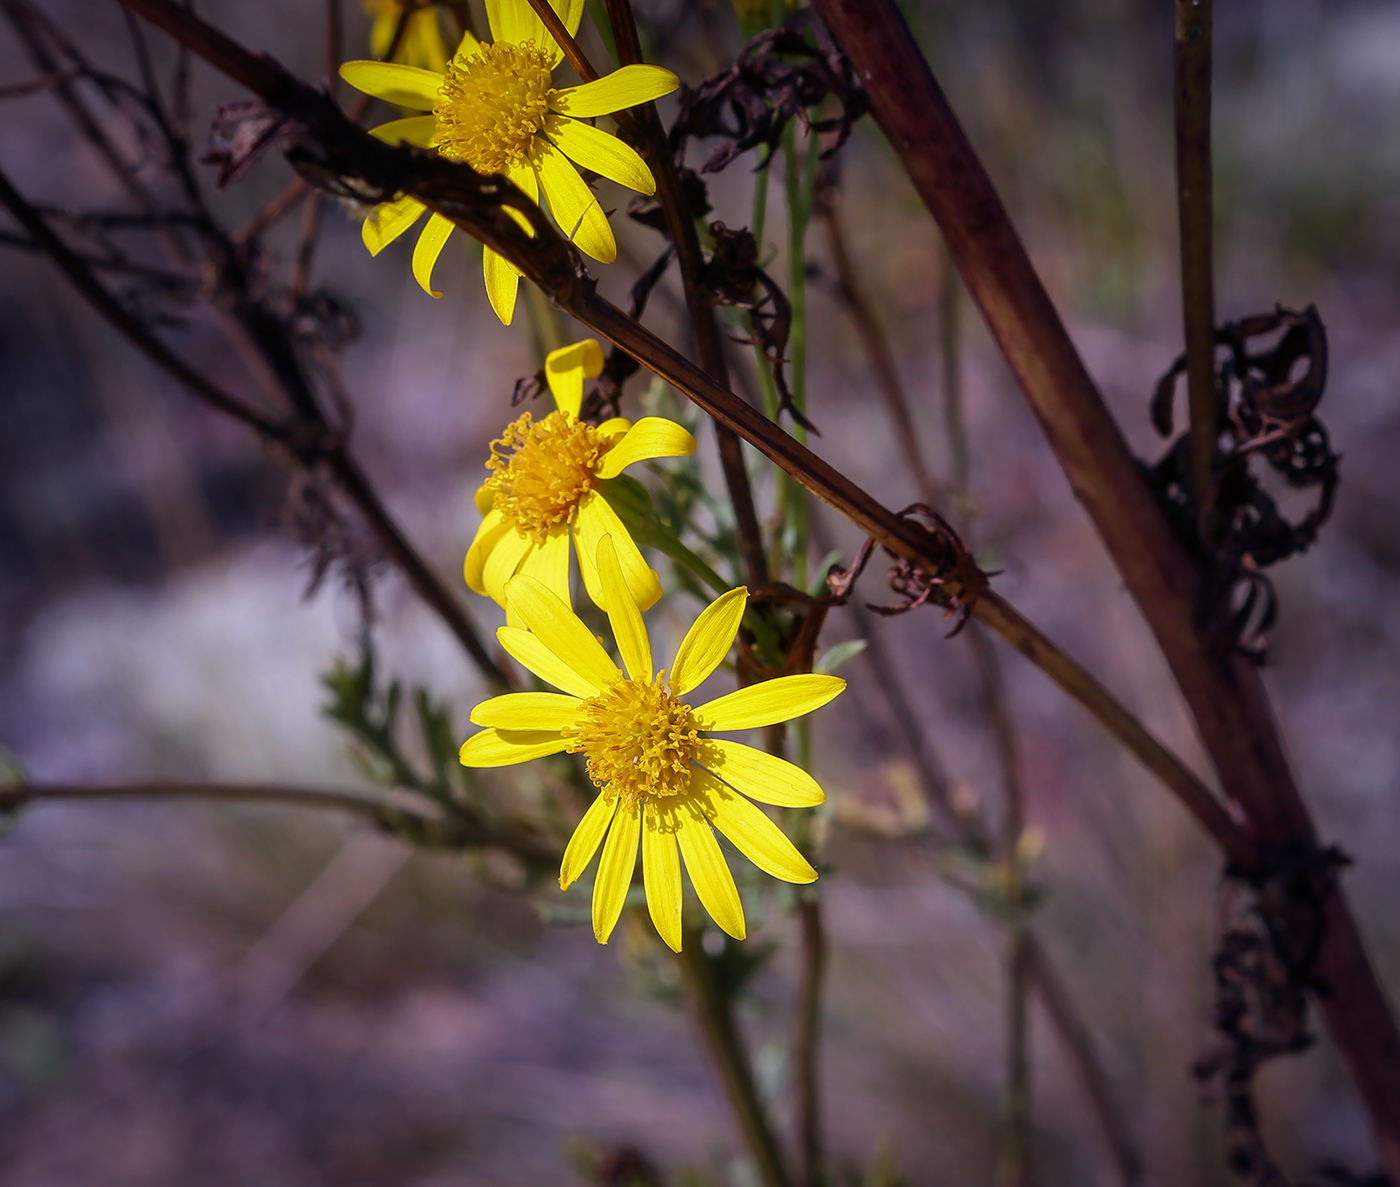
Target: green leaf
833, 657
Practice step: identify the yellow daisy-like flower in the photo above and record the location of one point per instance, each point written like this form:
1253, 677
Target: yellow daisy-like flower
495, 107
660, 781
544, 484
421, 44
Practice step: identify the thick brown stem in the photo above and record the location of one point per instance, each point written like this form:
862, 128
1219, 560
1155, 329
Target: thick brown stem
1225, 697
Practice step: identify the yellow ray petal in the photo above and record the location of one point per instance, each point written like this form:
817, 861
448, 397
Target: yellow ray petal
524, 177
573, 205
422, 41
709, 873
467, 46
760, 775
488, 535
652, 436
515, 20
551, 711
381, 33
425, 254
708, 641
502, 748
387, 221
548, 563
559, 629
751, 832
503, 563
613, 427
567, 368
523, 647
628, 628
586, 839
485, 499
768, 703
502, 283
622, 88
601, 152
416, 129
661, 873
593, 520
615, 870
403, 86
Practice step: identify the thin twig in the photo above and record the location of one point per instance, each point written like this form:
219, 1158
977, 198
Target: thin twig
807, 1025
1195, 214
720, 1032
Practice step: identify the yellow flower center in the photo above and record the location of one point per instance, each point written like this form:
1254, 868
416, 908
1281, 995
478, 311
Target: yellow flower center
540, 471
640, 741
491, 104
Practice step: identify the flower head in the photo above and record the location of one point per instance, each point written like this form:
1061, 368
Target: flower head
662, 784
494, 106
421, 43
545, 483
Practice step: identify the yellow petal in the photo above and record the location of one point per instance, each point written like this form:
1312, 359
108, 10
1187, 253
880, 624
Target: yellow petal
709, 873
501, 748
708, 641
567, 368
559, 629
751, 832
485, 498
601, 152
628, 628
417, 129
613, 427
593, 520
573, 205
422, 41
493, 528
768, 703
548, 563
381, 33
586, 839
523, 647
502, 283
515, 20
387, 221
468, 46
425, 254
615, 870
503, 563
759, 775
613, 92
661, 873
524, 177
552, 711
652, 436
403, 86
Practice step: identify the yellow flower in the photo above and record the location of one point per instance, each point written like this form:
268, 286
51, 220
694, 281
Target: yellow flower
421, 44
495, 107
544, 483
659, 779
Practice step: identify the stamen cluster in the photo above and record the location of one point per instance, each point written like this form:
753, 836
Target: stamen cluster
639, 739
491, 105
540, 471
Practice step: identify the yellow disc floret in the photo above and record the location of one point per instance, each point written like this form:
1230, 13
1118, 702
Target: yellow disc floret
640, 741
540, 470
491, 105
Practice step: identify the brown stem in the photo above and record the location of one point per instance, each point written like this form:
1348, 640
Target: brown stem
577, 58
704, 328
807, 1044
1194, 210
429, 827
1079, 1047
1225, 697
721, 1035
878, 353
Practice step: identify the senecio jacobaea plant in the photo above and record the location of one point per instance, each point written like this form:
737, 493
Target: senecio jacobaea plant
494, 106
545, 484
661, 783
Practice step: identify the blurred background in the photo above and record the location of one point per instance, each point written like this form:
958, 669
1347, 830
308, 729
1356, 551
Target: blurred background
215, 994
